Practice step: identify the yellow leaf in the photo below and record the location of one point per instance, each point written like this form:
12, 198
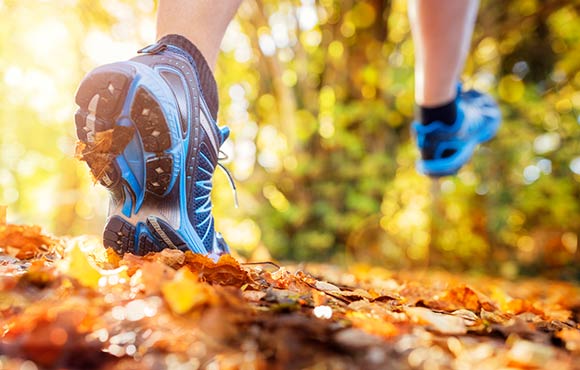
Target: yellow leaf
81, 269
184, 292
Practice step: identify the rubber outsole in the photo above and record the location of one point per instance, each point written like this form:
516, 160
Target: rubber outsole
105, 128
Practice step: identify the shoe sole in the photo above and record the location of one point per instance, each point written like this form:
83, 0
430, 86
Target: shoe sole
131, 150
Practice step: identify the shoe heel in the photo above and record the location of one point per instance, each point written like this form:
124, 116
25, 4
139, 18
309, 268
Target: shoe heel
166, 234
100, 98
119, 235
103, 91
123, 237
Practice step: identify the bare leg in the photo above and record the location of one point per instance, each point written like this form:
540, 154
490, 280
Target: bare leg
203, 22
442, 35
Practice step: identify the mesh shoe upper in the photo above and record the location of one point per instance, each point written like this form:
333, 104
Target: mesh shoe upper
445, 148
201, 136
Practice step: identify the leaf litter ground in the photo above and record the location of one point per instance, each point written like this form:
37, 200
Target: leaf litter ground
69, 303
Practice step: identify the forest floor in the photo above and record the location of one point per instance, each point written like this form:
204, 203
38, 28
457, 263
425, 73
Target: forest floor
69, 303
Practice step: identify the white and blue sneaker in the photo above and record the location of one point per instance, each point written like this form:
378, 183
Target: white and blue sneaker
446, 148
147, 130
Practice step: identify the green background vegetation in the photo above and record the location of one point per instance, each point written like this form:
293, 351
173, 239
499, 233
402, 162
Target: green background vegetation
319, 96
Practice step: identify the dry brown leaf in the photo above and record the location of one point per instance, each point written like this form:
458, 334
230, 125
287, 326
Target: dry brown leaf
494, 317
226, 271
25, 242
40, 274
326, 287
171, 257
253, 295
372, 325
518, 306
49, 337
80, 148
107, 145
461, 297
154, 274
355, 295
103, 141
113, 258
444, 324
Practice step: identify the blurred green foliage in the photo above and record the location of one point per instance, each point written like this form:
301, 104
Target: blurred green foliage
319, 97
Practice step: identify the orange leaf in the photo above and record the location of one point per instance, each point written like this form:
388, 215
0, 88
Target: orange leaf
372, 325
461, 297
226, 271
25, 242
518, 306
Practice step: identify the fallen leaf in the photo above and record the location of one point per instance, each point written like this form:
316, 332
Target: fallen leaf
40, 274
518, 306
529, 354
326, 287
171, 257
49, 338
25, 242
468, 316
571, 338
355, 295
372, 325
80, 268
461, 297
154, 275
226, 271
107, 145
253, 295
185, 292
444, 324
280, 279
494, 317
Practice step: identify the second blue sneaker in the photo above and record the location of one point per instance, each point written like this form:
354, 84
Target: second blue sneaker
147, 129
446, 148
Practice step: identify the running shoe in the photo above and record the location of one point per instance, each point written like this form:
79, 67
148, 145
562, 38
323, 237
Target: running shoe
149, 135
446, 148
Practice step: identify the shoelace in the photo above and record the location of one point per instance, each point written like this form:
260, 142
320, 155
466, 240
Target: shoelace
224, 156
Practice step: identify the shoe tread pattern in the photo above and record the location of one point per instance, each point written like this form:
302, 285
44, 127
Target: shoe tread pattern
147, 115
109, 89
112, 86
119, 235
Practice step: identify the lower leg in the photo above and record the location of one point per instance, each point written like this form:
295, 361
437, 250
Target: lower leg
442, 35
203, 22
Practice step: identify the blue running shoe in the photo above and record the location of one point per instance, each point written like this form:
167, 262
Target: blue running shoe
446, 148
150, 137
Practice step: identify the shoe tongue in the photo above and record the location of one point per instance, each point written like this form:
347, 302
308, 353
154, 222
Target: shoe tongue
224, 133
